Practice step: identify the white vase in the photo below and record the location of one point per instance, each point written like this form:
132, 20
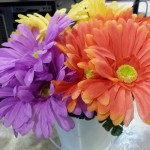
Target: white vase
87, 135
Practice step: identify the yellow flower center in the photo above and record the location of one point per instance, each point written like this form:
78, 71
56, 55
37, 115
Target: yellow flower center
127, 73
45, 90
36, 54
89, 73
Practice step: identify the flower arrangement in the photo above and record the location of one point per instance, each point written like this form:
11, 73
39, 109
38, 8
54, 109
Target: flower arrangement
91, 61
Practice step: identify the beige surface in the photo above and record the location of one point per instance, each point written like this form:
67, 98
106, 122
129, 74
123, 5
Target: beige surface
28, 142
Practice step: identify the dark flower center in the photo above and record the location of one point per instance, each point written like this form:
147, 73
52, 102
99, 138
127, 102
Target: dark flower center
45, 90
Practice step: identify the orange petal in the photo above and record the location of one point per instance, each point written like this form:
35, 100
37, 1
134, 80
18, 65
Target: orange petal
71, 48
71, 105
128, 37
142, 95
89, 40
141, 34
76, 94
101, 109
73, 59
115, 36
83, 65
118, 107
92, 106
129, 109
102, 117
118, 121
62, 86
104, 98
70, 91
62, 48
96, 52
99, 35
103, 68
86, 97
92, 89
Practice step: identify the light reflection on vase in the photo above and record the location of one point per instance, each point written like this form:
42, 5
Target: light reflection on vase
87, 135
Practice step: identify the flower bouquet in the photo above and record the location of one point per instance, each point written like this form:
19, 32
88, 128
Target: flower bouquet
93, 61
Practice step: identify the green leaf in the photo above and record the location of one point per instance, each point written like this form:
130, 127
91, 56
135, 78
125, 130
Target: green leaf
108, 126
116, 131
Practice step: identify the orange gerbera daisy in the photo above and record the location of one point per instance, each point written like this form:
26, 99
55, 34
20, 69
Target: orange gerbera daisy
128, 72
112, 63
72, 44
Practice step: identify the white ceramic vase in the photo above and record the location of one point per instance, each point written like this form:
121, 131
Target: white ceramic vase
87, 135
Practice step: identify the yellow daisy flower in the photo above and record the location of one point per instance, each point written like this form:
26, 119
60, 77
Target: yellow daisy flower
87, 9
79, 11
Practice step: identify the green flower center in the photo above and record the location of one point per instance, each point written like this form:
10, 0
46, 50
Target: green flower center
127, 73
45, 90
89, 73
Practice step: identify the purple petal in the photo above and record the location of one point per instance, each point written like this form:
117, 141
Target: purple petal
10, 116
45, 126
61, 75
77, 110
44, 76
6, 92
28, 110
25, 30
6, 77
49, 45
29, 77
35, 32
25, 95
59, 61
59, 108
22, 39
38, 66
65, 123
20, 49
22, 117
51, 89
37, 130
25, 128
9, 53
20, 76
56, 25
4, 110
6, 64
89, 114
47, 58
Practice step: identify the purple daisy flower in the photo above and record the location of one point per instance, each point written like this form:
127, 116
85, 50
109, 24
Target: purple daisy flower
36, 107
26, 53
15, 106
26, 70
